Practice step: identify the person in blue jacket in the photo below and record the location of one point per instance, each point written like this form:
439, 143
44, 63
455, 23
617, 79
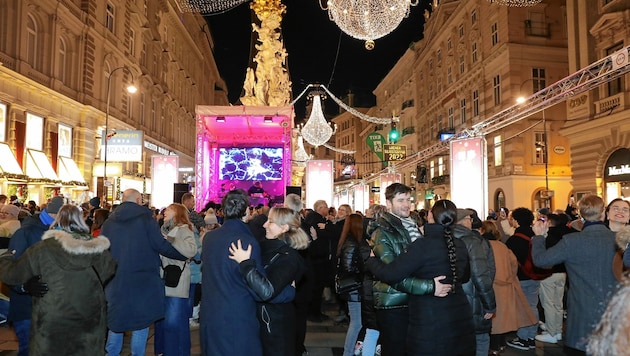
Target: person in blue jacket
135, 296
228, 323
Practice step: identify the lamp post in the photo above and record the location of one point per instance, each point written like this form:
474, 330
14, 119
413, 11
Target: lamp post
130, 89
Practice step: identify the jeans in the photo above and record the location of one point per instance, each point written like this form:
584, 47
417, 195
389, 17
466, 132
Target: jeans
172, 334
369, 342
551, 293
354, 311
483, 344
530, 289
191, 299
138, 342
22, 330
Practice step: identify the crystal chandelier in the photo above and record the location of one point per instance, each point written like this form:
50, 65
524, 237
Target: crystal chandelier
300, 154
317, 131
368, 19
516, 3
207, 6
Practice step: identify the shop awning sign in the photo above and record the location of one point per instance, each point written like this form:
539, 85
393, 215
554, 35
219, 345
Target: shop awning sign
123, 146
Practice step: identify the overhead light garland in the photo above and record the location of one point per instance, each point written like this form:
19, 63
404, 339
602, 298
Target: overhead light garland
207, 6
368, 19
516, 3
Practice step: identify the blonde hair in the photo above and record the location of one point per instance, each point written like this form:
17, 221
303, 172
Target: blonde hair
295, 236
591, 207
610, 337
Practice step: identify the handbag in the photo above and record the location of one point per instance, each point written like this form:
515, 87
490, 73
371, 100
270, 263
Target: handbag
171, 275
348, 283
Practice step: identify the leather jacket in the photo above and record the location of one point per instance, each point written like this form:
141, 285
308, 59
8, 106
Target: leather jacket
350, 263
390, 239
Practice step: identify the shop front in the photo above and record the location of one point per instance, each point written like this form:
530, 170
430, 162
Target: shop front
13, 179
617, 175
43, 182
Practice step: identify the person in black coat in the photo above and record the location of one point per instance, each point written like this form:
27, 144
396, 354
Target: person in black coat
283, 266
437, 326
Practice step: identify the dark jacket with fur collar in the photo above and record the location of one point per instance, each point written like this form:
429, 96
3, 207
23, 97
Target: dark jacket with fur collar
70, 319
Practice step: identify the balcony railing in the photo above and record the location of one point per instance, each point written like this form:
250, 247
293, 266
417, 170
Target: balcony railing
408, 130
441, 180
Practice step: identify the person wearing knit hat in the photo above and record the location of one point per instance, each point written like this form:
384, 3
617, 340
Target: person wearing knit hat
95, 202
9, 224
53, 207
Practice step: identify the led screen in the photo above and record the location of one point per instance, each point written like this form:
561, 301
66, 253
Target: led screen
251, 163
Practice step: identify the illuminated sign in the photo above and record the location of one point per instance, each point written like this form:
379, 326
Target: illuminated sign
155, 148
34, 132
123, 146
469, 173
64, 140
164, 174
395, 152
3, 122
319, 181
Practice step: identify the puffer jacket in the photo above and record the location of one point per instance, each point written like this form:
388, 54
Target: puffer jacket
479, 289
350, 264
389, 240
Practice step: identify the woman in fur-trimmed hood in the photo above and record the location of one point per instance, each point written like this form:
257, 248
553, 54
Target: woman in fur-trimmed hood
71, 318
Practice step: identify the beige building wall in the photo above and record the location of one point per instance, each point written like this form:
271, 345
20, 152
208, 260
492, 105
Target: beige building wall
56, 57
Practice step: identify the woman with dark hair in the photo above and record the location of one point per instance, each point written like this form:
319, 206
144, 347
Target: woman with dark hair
283, 267
172, 334
351, 265
437, 326
617, 214
71, 319
100, 215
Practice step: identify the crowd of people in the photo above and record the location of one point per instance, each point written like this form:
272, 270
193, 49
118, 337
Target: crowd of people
436, 282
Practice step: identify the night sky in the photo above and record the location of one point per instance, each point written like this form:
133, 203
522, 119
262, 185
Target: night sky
318, 51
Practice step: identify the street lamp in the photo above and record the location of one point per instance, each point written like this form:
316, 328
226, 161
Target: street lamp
130, 89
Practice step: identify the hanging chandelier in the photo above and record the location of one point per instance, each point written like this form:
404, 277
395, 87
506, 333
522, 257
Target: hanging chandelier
368, 19
516, 3
317, 131
207, 6
300, 155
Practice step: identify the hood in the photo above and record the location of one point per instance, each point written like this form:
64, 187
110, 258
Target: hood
129, 211
81, 251
33, 221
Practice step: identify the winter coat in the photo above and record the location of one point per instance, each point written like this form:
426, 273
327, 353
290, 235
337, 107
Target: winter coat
482, 270
513, 311
587, 256
520, 248
135, 296
350, 265
26, 236
283, 265
70, 319
184, 242
390, 239
228, 307
437, 326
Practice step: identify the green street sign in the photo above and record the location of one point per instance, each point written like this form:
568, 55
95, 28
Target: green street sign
375, 142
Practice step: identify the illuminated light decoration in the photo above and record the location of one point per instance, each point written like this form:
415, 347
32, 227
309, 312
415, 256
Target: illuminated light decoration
300, 155
207, 6
317, 131
515, 3
368, 20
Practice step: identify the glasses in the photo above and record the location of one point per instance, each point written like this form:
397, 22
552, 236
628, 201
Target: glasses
617, 209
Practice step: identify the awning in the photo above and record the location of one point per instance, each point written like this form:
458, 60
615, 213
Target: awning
69, 171
38, 166
8, 163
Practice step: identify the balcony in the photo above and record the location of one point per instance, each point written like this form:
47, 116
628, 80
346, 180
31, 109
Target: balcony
441, 180
408, 131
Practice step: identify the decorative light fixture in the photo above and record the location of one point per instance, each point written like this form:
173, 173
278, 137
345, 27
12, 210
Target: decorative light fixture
317, 131
516, 3
207, 6
368, 19
300, 155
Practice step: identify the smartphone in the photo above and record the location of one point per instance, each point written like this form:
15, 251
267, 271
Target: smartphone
543, 218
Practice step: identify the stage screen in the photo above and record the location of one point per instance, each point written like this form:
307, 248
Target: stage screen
250, 163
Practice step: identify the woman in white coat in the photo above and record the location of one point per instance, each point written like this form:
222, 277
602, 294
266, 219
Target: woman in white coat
172, 334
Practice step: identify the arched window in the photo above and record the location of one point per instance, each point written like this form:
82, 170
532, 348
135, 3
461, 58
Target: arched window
499, 200
31, 41
62, 62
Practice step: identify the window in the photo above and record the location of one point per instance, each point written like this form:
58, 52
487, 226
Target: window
461, 31
143, 55
110, 17
62, 61
462, 64
473, 17
451, 117
129, 105
31, 41
440, 166
449, 44
462, 110
430, 64
538, 79
432, 168
153, 108
475, 103
439, 83
145, 8
449, 75
615, 86
539, 147
496, 87
142, 120
438, 56
495, 33
440, 123
498, 151
473, 52
132, 42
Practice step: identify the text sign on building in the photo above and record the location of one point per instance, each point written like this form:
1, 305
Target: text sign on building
123, 146
395, 152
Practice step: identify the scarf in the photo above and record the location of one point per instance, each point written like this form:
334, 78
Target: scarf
411, 226
45, 218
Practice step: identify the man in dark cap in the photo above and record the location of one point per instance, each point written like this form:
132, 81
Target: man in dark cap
95, 203
30, 233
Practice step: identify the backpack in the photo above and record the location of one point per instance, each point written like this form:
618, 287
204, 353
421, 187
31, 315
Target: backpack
528, 268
